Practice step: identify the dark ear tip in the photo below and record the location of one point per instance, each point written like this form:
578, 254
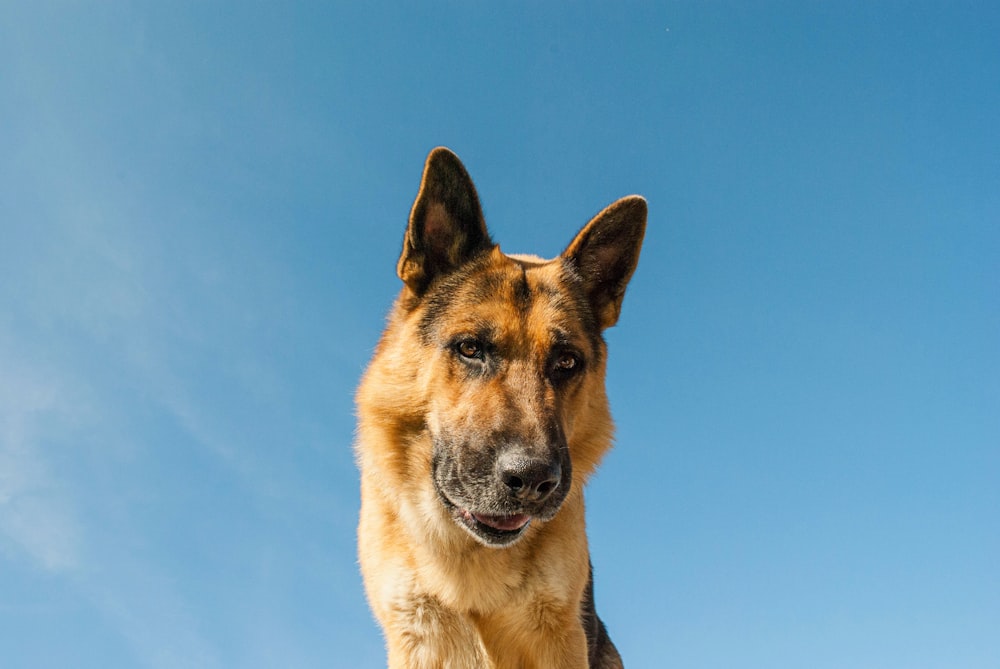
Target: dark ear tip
442, 157
630, 213
633, 206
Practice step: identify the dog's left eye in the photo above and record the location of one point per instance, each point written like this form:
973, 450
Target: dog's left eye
566, 363
469, 348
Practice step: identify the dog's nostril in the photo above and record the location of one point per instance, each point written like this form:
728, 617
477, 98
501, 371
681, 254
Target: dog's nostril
513, 482
530, 479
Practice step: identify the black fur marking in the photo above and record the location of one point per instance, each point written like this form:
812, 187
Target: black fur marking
522, 292
601, 652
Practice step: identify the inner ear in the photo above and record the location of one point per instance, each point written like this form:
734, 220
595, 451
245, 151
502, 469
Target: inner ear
446, 227
605, 253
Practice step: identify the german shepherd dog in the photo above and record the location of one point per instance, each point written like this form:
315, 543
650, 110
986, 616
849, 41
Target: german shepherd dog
481, 416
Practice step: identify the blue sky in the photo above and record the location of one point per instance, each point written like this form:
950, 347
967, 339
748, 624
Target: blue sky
202, 208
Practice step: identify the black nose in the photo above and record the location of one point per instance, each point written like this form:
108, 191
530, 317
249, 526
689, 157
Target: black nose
529, 479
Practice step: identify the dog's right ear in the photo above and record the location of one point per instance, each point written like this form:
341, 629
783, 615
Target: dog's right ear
446, 226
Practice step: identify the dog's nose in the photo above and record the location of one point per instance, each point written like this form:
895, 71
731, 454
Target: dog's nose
530, 479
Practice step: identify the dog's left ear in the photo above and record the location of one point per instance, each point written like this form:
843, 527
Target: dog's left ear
446, 226
604, 254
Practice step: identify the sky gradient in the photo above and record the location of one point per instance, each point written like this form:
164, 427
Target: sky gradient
202, 209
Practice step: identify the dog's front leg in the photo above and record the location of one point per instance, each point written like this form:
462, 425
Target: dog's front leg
422, 634
535, 637
567, 652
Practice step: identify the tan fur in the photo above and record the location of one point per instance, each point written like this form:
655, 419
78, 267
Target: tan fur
443, 598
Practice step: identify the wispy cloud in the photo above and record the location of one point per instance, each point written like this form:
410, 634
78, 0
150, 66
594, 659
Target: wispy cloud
142, 603
53, 425
81, 336
131, 331
35, 514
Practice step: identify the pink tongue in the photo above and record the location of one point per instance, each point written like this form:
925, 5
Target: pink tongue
505, 523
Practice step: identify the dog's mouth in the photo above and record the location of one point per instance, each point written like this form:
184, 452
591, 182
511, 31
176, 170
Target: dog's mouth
493, 530
512, 523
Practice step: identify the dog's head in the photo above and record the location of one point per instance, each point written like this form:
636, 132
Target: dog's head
514, 357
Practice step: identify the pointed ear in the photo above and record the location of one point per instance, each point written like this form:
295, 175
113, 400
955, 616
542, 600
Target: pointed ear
604, 255
446, 223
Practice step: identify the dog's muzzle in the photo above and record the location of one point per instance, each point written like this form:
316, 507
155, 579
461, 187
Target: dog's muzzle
496, 499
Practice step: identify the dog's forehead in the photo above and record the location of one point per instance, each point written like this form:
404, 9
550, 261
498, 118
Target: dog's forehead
519, 298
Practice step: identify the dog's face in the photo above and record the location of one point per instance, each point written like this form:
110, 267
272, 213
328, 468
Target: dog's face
515, 347
514, 353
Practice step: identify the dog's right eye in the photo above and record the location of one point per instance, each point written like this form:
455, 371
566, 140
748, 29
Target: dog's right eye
469, 348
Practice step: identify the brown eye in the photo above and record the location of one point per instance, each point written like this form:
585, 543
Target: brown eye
565, 365
566, 362
469, 348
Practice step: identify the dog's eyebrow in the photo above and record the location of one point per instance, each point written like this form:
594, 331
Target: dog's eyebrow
561, 337
486, 331
483, 330
548, 290
588, 341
